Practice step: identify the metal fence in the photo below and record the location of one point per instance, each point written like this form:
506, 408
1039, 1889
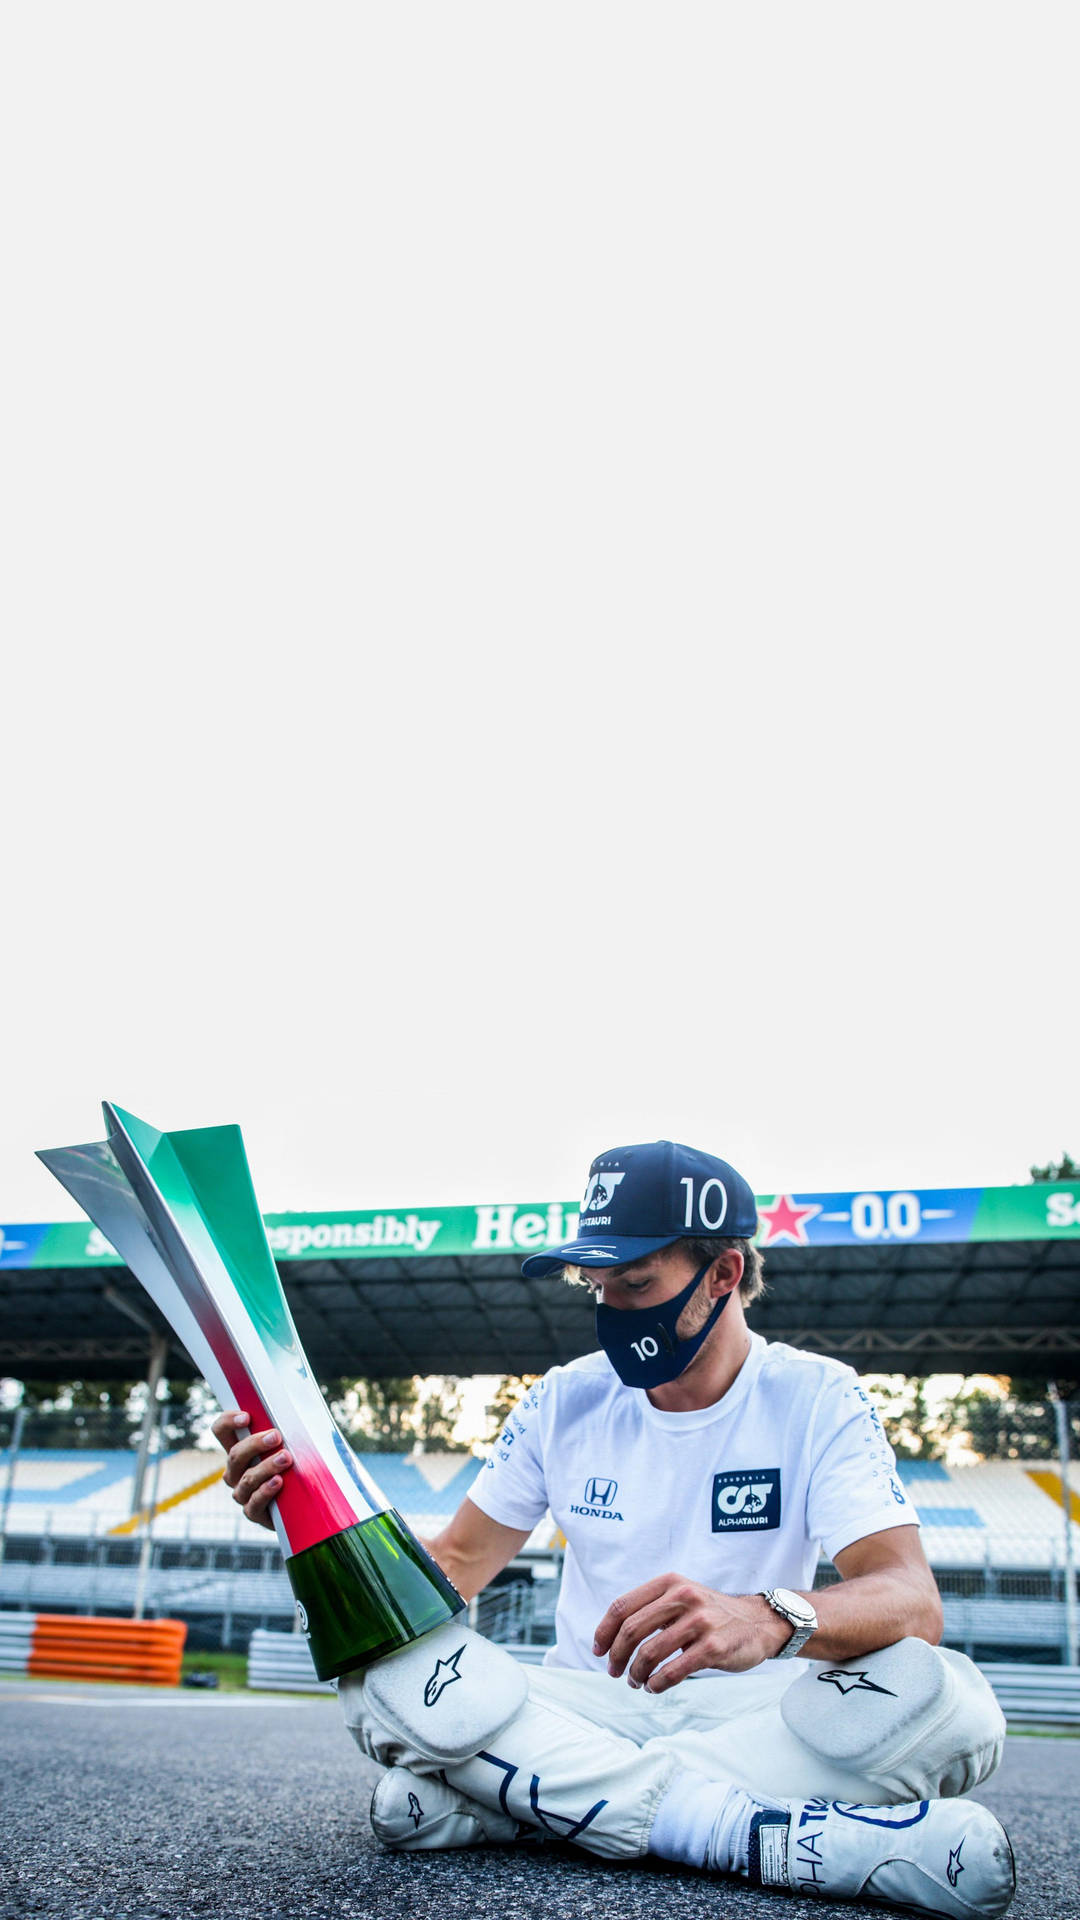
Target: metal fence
223, 1591
226, 1589
520, 1612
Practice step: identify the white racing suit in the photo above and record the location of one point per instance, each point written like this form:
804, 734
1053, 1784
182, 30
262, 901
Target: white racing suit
588, 1758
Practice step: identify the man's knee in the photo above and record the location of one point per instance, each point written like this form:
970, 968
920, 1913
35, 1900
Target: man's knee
436, 1702
919, 1720
574, 1780
456, 1706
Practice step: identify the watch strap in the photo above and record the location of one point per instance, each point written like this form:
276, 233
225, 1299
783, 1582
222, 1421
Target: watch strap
799, 1638
801, 1631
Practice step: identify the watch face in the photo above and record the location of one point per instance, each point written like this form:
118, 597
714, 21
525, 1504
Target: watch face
794, 1604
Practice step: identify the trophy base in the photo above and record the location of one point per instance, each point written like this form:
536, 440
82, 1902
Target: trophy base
368, 1591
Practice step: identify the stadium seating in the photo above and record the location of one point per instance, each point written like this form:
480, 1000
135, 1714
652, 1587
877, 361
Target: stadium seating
996, 1509
80, 1492
994, 1514
993, 1532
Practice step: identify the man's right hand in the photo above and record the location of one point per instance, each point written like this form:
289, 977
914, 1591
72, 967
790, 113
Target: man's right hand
255, 1466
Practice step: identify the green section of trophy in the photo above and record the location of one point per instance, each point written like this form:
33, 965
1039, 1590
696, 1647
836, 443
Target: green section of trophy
367, 1592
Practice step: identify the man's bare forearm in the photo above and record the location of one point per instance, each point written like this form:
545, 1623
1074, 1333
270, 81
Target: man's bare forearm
671, 1627
455, 1566
472, 1548
873, 1610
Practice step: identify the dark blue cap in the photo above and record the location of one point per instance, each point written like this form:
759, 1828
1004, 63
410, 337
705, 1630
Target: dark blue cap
641, 1198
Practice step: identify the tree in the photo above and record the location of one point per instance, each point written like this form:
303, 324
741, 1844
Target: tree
437, 1415
78, 1413
1003, 1425
1064, 1169
913, 1431
407, 1414
191, 1409
109, 1413
377, 1415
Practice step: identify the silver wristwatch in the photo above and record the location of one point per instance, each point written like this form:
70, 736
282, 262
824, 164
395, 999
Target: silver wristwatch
792, 1606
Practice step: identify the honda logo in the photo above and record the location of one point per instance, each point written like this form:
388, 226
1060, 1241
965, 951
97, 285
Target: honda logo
601, 1493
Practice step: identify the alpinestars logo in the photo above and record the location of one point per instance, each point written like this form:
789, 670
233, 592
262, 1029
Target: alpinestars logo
846, 1682
416, 1811
599, 1191
954, 1868
446, 1672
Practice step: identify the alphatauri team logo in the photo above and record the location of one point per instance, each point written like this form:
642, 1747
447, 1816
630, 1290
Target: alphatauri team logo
599, 1191
746, 1499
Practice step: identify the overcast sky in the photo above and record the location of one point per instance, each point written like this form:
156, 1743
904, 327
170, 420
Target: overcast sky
540, 598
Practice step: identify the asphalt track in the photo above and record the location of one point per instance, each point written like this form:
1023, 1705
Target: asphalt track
120, 1803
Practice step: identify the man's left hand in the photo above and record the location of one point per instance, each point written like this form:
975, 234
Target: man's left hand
675, 1616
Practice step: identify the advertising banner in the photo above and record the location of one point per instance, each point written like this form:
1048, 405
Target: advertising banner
1050, 1211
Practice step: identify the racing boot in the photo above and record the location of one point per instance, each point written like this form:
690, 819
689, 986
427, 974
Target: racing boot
412, 1812
949, 1858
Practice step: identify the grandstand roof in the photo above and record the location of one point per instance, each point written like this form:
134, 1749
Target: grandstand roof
966, 1280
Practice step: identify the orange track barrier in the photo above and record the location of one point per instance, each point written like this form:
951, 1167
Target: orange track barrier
86, 1647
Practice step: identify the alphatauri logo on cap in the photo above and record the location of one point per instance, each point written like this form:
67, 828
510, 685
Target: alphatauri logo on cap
599, 1191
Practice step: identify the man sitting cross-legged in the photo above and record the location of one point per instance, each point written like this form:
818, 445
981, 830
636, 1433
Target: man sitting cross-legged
722, 1715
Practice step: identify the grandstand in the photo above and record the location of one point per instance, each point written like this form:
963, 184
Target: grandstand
73, 1545
994, 1534
1000, 1513
935, 1281
943, 1280
995, 1537
88, 1492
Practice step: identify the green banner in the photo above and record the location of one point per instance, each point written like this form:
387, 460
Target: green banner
1040, 1212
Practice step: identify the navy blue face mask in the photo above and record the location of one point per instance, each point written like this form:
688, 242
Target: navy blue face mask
641, 1343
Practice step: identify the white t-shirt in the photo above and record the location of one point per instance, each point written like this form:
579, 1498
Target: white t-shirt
737, 1496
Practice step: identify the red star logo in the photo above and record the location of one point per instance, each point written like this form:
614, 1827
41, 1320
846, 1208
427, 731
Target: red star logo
785, 1220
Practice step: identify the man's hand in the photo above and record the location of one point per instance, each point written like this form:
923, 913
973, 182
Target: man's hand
673, 1615
255, 1466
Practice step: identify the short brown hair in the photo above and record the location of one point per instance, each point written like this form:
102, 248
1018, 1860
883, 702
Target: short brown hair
752, 1284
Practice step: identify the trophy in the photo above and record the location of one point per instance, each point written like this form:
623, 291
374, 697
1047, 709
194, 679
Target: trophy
180, 1210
